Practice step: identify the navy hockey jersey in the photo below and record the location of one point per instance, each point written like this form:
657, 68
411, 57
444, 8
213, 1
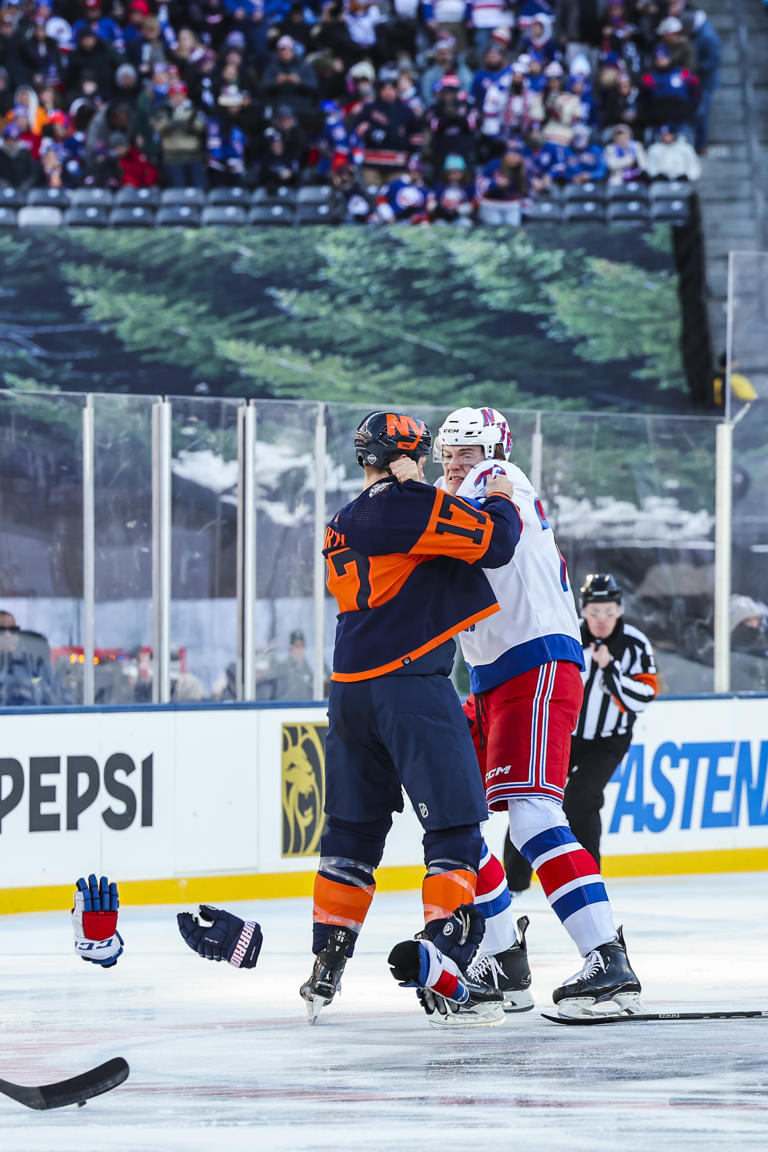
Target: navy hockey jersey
404, 564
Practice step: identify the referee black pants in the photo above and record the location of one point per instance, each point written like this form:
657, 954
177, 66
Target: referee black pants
593, 762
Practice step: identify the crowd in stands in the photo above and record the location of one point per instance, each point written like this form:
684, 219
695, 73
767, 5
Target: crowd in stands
410, 109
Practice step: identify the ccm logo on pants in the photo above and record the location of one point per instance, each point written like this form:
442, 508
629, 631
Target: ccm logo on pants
55, 796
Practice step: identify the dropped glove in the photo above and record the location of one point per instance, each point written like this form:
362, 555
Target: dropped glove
457, 935
226, 937
94, 921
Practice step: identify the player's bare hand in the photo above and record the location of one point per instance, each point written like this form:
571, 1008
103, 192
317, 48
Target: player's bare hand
404, 468
500, 485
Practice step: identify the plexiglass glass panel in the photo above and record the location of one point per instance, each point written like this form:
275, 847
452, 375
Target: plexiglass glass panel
41, 548
123, 549
286, 547
635, 496
203, 547
748, 377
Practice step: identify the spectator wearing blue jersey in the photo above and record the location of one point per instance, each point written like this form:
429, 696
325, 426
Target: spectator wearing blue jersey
402, 199
492, 65
668, 95
708, 48
453, 198
226, 141
584, 160
102, 26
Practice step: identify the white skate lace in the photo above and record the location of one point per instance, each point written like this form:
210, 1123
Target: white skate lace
593, 963
486, 966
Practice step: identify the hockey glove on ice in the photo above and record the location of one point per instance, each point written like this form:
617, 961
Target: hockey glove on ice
94, 921
226, 937
457, 935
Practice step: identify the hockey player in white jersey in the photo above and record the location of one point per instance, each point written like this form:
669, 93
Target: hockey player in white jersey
526, 690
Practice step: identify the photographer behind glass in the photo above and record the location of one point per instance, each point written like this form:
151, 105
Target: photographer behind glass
25, 678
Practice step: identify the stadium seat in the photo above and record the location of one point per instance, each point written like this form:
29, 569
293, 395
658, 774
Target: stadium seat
92, 216
7, 216
89, 197
12, 197
130, 195
632, 190
670, 189
314, 194
544, 209
229, 196
227, 214
590, 190
585, 210
58, 197
272, 214
172, 196
40, 216
178, 215
629, 210
319, 213
279, 196
670, 211
133, 216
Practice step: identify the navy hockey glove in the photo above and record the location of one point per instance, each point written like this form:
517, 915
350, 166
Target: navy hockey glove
457, 935
94, 921
226, 937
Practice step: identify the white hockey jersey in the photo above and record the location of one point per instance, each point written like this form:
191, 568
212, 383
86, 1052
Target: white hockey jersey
537, 622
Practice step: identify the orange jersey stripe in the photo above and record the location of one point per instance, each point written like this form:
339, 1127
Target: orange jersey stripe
442, 893
337, 903
648, 678
435, 642
456, 529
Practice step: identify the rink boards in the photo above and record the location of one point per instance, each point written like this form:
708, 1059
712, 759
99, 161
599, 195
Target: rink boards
226, 803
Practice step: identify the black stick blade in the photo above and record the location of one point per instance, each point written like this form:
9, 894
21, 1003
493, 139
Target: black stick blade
76, 1090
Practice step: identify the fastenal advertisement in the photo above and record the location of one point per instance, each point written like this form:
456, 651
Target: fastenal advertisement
161, 794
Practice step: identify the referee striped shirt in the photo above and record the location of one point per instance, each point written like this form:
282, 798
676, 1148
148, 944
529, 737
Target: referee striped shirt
614, 695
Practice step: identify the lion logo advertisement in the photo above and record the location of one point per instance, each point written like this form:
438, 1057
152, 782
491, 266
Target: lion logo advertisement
303, 788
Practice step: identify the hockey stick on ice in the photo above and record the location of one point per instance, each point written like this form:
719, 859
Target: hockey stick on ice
76, 1090
664, 1017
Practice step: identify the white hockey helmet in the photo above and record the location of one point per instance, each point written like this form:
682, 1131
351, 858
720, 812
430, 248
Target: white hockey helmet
468, 426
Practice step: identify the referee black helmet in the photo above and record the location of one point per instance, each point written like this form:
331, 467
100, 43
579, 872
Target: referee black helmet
600, 588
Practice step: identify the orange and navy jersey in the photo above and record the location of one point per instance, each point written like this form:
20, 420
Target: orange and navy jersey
404, 564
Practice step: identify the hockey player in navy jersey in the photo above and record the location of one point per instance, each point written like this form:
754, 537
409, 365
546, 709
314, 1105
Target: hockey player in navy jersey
526, 692
407, 565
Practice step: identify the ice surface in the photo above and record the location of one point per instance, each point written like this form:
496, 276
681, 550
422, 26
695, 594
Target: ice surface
224, 1059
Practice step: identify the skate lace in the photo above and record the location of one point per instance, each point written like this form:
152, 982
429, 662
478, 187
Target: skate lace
486, 966
592, 964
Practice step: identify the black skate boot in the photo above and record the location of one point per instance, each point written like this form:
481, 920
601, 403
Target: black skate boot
475, 1003
325, 980
606, 985
508, 971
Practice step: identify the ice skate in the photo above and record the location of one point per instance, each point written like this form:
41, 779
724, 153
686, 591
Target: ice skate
606, 985
325, 980
508, 971
449, 998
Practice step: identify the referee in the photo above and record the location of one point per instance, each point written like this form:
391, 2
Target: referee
619, 683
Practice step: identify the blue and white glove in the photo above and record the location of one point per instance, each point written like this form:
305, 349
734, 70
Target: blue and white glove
94, 921
226, 937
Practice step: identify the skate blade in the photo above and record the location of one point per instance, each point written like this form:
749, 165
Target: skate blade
314, 1006
518, 1001
622, 1004
481, 1016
